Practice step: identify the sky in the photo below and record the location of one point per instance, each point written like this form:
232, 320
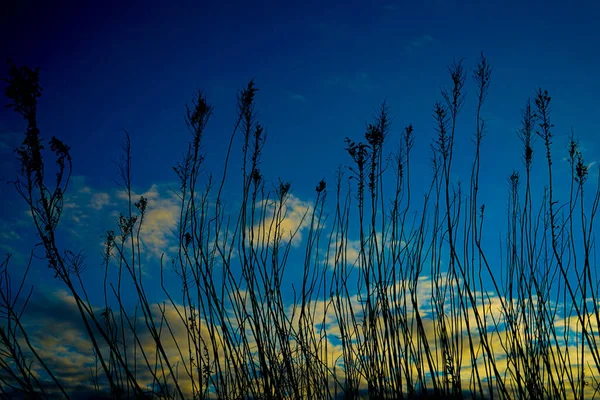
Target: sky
323, 68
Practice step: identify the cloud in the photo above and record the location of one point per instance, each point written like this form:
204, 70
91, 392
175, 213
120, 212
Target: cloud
297, 97
9, 234
65, 346
346, 250
417, 42
59, 337
286, 221
81, 201
87, 208
99, 200
162, 215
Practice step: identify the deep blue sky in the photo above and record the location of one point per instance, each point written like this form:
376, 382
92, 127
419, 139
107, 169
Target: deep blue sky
323, 68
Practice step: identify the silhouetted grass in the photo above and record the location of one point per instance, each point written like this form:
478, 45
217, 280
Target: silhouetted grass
397, 297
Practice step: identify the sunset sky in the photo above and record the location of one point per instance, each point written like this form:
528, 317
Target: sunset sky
323, 68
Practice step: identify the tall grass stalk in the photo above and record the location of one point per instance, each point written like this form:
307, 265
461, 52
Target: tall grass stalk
396, 297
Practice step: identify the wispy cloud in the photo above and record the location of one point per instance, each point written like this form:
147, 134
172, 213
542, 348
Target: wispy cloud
162, 214
83, 201
284, 221
99, 200
417, 42
297, 97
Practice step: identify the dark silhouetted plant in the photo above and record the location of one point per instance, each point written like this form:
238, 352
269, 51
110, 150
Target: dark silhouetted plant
359, 323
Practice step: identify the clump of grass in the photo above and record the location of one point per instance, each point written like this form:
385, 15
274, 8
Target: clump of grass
388, 306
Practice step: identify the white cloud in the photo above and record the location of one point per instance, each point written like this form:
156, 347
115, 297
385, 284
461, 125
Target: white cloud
162, 215
99, 200
286, 221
